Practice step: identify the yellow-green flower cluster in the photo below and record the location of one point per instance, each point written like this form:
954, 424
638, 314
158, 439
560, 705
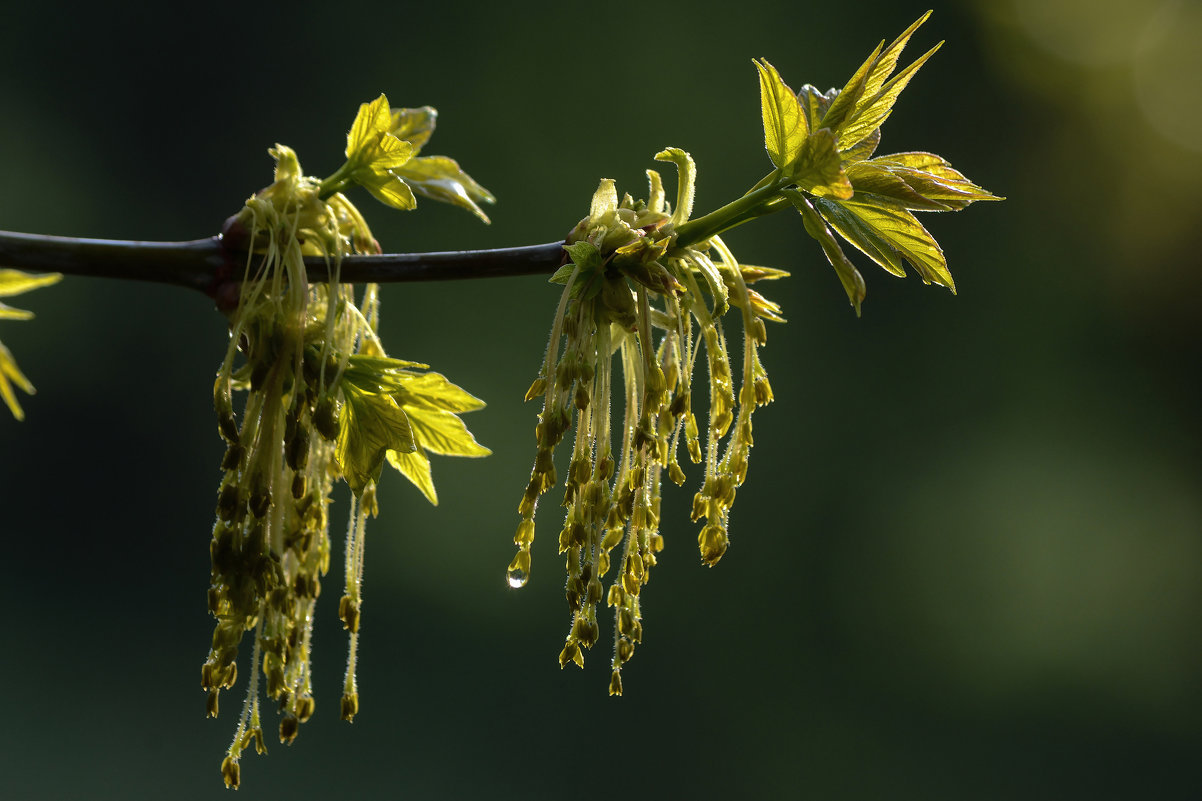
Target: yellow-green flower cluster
323, 403
633, 296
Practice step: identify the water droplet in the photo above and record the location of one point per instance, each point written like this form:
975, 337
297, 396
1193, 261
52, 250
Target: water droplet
516, 577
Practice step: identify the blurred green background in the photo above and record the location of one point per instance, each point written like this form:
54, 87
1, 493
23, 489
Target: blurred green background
967, 563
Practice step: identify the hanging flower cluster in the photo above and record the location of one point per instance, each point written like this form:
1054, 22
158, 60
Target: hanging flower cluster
646, 287
323, 403
634, 297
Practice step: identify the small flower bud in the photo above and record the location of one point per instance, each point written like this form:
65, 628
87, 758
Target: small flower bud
230, 772
289, 726
350, 706
570, 653
348, 611
615, 683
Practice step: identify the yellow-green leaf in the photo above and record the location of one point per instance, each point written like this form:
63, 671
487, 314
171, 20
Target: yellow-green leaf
370, 425
434, 391
933, 178
441, 178
15, 282
849, 96
444, 433
373, 119
887, 185
9, 313
416, 467
389, 190
872, 112
414, 125
818, 168
785, 125
888, 235
9, 372
849, 276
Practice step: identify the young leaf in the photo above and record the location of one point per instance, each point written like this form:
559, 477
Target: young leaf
872, 112
849, 96
934, 179
416, 467
818, 168
415, 125
9, 372
434, 391
785, 125
888, 235
369, 425
849, 276
373, 119
441, 178
442, 432
15, 282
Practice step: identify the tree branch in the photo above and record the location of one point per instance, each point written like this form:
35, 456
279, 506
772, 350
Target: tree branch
205, 264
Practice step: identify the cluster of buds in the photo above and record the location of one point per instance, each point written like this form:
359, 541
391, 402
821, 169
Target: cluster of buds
323, 403
628, 284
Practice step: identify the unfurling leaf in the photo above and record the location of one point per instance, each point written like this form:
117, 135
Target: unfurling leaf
785, 126
849, 276
441, 178
818, 168
369, 426
887, 236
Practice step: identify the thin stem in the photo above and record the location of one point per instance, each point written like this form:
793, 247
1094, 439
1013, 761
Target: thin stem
205, 264
737, 212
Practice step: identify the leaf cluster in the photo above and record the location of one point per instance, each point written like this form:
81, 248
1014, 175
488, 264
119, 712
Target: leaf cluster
822, 145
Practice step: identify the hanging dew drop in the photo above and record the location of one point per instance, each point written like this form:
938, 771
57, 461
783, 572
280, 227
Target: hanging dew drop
516, 577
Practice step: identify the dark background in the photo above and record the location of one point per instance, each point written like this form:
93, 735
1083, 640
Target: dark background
967, 563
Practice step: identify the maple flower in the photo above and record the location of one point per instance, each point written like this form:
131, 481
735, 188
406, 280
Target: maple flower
634, 296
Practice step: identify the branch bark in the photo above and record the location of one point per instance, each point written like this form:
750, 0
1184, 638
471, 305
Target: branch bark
205, 264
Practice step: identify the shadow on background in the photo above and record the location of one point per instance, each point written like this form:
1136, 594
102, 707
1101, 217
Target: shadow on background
966, 564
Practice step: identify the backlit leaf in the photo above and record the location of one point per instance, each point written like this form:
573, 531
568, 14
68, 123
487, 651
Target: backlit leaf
444, 433
414, 125
873, 111
785, 125
416, 467
888, 235
434, 391
849, 276
373, 119
9, 372
370, 425
14, 282
818, 168
849, 96
441, 178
